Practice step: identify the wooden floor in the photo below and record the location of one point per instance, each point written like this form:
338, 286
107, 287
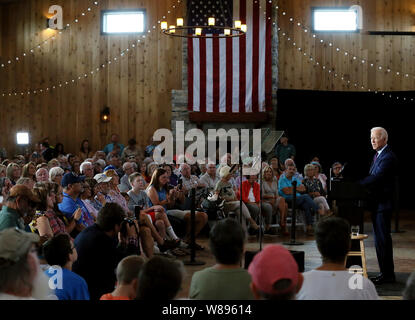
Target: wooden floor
403, 246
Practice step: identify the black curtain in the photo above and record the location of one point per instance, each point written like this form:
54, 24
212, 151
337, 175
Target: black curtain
335, 126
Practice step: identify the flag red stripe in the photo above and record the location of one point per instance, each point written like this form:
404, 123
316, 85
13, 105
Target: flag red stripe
268, 58
202, 62
255, 57
242, 61
216, 74
229, 74
190, 74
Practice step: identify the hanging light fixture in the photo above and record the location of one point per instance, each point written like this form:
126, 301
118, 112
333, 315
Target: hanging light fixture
211, 30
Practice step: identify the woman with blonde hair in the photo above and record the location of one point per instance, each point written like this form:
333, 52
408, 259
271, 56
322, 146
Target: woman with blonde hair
13, 172
56, 175
270, 195
315, 189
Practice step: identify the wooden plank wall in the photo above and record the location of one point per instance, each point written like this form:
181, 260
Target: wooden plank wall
136, 88
391, 52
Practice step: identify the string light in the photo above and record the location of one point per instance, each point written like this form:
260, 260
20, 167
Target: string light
39, 45
66, 83
340, 50
331, 71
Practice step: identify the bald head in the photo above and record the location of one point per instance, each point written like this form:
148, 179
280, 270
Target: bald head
378, 138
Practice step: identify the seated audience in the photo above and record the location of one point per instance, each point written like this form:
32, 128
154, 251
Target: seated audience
132, 150
276, 166
17, 207
160, 195
20, 275
60, 254
409, 292
160, 279
46, 222
114, 141
304, 201
87, 196
210, 178
332, 281
320, 175
275, 274
225, 191
5, 186
315, 190
99, 251
87, 169
151, 167
85, 151
128, 168
13, 172
251, 197
29, 171
56, 175
127, 279
226, 280
337, 168
42, 175
173, 178
270, 195
53, 163
114, 193
71, 202
2, 171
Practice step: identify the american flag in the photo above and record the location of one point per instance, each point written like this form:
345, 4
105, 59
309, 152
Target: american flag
231, 75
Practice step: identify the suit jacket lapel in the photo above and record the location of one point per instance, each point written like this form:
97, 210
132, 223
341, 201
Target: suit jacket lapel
375, 163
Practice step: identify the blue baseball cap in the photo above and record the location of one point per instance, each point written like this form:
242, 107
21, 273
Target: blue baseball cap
110, 168
71, 178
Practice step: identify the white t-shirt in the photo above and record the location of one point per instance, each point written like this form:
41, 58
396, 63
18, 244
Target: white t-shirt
251, 196
336, 285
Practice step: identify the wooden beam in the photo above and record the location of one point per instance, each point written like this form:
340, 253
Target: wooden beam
199, 117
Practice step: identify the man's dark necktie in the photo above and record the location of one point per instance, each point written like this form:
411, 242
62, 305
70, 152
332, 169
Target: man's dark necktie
375, 157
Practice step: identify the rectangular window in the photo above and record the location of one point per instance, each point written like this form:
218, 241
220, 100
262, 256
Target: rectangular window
123, 22
335, 20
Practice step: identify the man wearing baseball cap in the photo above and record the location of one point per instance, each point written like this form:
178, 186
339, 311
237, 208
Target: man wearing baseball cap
275, 274
20, 275
19, 205
101, 189
71, 202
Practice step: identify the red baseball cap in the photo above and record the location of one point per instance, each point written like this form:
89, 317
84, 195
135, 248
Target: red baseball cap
273, 264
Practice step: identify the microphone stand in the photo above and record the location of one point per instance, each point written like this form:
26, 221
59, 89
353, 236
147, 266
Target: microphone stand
193, 261
293, 242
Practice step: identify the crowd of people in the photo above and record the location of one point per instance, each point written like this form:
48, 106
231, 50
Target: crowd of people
77, 218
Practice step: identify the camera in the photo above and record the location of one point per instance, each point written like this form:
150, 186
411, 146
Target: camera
137, 210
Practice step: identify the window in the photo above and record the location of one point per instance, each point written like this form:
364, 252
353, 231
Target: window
335, 20
123, 22
22, 138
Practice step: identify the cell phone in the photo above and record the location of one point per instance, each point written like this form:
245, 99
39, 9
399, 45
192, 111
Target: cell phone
137, 210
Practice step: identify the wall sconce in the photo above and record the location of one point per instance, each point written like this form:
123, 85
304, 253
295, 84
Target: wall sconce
105, 115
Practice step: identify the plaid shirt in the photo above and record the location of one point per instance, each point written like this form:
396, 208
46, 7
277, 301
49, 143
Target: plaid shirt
55, 223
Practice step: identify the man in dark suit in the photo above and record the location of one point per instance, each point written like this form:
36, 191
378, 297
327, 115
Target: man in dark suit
380, 184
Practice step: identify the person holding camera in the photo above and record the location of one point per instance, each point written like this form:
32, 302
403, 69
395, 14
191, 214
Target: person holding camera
103, 245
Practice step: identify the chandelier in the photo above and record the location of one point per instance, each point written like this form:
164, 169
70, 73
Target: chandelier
179, 29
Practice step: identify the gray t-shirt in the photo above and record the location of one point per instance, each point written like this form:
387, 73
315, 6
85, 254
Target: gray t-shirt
140, 199
226, 284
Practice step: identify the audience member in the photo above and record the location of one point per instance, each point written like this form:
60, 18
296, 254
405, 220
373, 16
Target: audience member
224, 189
47, 152
85, 151
2, 171
160, 279
276, 166
20, 275
226, 280
332, 281
29, 171
26, 182
87, 196
251, 196
19, 204
304, 201
114, 193
56, 175
128, 168
285, 150
210, 178
337, 168
42, 175
173, 178
60, 254
132, 150
275, 274
270, 195
87, 169
315, 190
71, 202
13, 172
320, 175
114, 141
53, 163
59, 149
127, 279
